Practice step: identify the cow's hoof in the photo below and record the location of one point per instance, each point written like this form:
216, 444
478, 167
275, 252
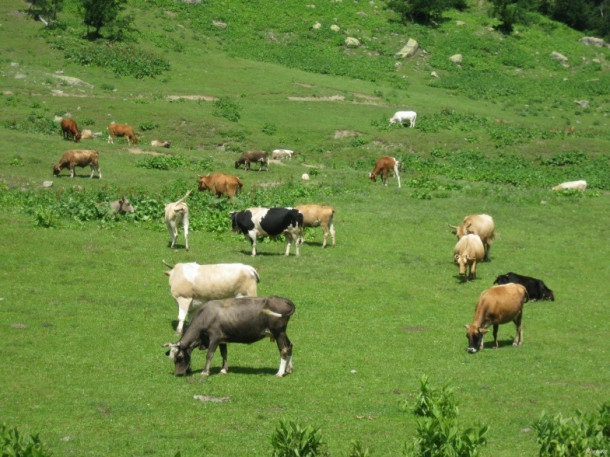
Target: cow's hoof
205, 374
223, 371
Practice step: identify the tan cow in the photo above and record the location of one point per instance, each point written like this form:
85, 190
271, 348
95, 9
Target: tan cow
467, 252
383, 166
578, 185
192, 284
479, 224
318, 216
498, 305
121, 130
160, 144
78, 158
177, 214
87, 134
220, 184
69, 130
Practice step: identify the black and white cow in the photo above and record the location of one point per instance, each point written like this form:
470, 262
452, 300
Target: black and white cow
536, 288
255, 222
234, 320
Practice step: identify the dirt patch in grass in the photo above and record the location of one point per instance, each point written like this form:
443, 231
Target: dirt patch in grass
141, 151
345, 134
205, 98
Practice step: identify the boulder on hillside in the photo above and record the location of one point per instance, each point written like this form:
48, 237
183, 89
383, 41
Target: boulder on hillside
456, 59
316, 26
335, 28
409, 50
563, 60
352, 42
593, 41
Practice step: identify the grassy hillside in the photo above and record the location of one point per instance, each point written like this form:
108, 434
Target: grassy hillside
84, 304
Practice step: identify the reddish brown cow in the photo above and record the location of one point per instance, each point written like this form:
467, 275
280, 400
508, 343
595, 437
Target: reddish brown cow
78, 158
119, 130
69, 130
220, 184
383, 167
498, 305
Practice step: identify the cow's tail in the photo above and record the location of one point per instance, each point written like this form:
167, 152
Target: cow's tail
183, 198
255, 273
171, 267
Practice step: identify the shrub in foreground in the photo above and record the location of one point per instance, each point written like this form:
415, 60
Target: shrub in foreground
15, 444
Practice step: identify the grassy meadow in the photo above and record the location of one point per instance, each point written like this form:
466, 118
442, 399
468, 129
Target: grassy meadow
85, 306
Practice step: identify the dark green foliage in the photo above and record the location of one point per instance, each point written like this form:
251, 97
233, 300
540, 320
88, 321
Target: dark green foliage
423, 11
560, 436
561, 159
584, 15
225, 107
46, 9
291, 439
149, 125
15, 444
509, 12
100, 13
166, 162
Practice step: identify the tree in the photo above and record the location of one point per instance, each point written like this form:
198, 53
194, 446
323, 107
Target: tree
423, 11
45, 9
509, 12
100, 13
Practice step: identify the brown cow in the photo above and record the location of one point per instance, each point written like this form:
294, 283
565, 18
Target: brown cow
78, 158
119, 130
479, 224
253, 156
318, 216
220, 184
498, 305
383, 166
467, 252
69, 130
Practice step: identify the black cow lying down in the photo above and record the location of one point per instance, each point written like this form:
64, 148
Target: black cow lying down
234, 320
536, 288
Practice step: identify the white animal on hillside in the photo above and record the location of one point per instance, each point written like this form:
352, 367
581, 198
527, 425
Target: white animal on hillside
192, 284
278, 154
177, 214
401, 117
578, 185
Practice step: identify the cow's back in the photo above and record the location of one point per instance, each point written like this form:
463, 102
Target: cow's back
470, 245
214, 281
500, 304
277, 220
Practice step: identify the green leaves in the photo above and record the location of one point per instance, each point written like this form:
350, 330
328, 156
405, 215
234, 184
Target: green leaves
15, 444
291, 439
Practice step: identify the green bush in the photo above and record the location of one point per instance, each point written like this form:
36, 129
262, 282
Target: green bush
225, 107
290, 439
15, 444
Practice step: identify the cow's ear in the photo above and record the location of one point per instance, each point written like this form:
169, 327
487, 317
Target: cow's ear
467, 326
167, 353
483, 331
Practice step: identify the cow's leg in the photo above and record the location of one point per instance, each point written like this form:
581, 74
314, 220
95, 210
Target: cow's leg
223, 353
518, 341
397, 175
325, 231
288, 242
92, 171
285, 347
110, 139
384, 177
173, 232
473, 270
208, 357
183, 308
496, 335
185, 224
72, 172
253, 243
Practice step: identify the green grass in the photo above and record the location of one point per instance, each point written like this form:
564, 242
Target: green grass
374, 313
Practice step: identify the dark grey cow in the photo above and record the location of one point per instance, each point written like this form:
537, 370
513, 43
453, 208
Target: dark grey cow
536, 288
234, 320
255, 222
253, 157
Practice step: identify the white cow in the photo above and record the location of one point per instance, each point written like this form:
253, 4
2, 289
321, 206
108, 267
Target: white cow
402, 116
177, 214
578, 185
194, 284
278, 154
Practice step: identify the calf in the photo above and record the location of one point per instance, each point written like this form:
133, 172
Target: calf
69, 130
192, 284
160, 144
578, 185
177, 214
400, 117
467, 252
383, 166
122, 206
220, 184
121, 130
318, 216
86, 134
78, 158
255, 222
278, 154
498, 305
252, 157
536, 288
479, 224
234, 320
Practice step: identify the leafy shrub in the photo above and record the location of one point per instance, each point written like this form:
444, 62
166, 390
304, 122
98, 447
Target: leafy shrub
148, 125
560, 436
225, 107
172, 162
14, 444
269, 129
359, 450
561, 159
290, 439
45, 217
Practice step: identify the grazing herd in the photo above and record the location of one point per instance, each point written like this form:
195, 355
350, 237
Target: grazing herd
231, 312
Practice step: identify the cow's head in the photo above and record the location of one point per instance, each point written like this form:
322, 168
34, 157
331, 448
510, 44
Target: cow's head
462, 261
546, 293
181, 357
372, 177
125, 206
502, 279
56, 169
203, 182
475, 334
237, 163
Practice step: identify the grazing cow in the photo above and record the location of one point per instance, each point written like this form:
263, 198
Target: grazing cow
401, 117
255, 222
177, 214
119, 130
160, 144
86, 134
192, 284
498, 305
278, 154
479, 224
578, 185
467, 252
318, 216
536, 288
69, 130
78, 158
220, 184
252, 157
383, 166
234, 320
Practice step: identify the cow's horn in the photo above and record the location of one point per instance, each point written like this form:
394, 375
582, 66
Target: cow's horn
169, 345
167, 264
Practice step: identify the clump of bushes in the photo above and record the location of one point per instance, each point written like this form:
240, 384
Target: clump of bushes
15, 444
